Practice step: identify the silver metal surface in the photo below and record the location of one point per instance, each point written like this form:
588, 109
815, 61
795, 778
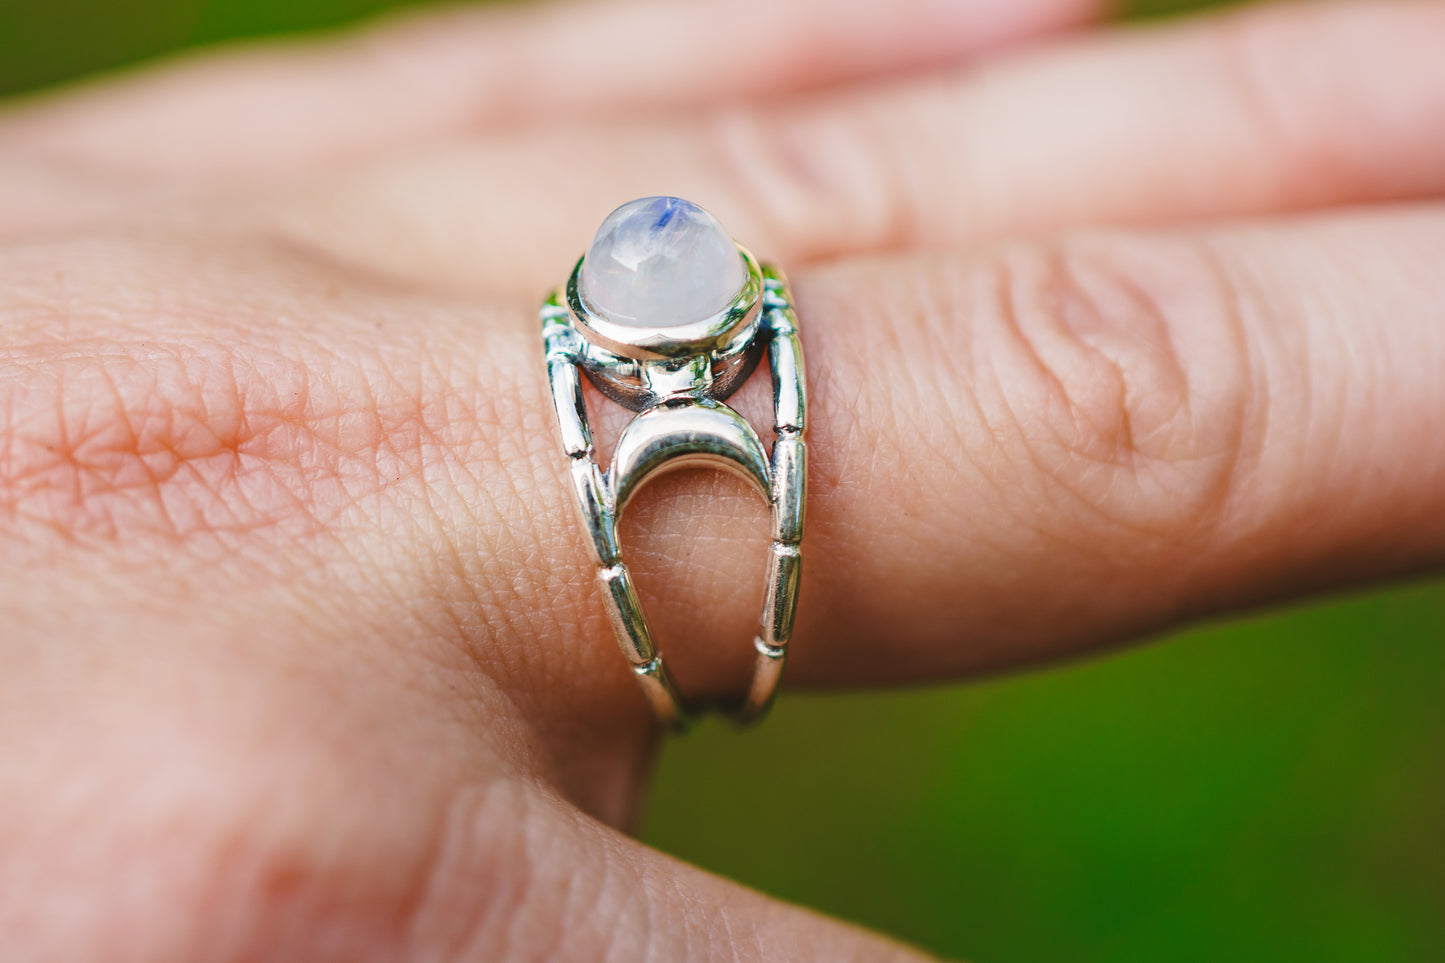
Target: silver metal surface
626, 612
571, 409
691, 434
594, 509
640, 367
790, 406
703, 337
677, 379
790, 473
780, 602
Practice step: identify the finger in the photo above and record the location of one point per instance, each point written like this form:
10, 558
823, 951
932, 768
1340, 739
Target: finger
1040, 449
1299, 106
42, 196
639, 904
276, 109
1075, 443
1016, 454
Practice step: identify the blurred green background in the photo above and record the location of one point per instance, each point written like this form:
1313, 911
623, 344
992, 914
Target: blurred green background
1270, 790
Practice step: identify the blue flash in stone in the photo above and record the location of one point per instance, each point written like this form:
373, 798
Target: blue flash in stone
669, 208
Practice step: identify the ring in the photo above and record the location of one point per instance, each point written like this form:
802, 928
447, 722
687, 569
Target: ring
666, 315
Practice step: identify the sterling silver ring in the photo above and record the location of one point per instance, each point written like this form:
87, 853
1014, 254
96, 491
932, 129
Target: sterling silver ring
666, 315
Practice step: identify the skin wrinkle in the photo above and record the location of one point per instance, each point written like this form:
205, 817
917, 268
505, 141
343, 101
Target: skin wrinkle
1155, 388
755, 164
971, 293
1033, 415
1260, 83
938, 386
497, 873
1112, 441
460, 620
625, 926
903, 167
1018, 398
1237, 47
1032, 299
1127, 450
534, 423
1355, 398
1150, 373
169, 418
983, 452
1310, 411
1281, 388
427, 896
613, 917
98, 445
816, 153
523, 927
526, 843
1179, 413
579, 893
1251, 439
330, 438
578, 927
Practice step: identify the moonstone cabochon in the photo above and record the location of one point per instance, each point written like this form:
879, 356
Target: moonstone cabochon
661, 262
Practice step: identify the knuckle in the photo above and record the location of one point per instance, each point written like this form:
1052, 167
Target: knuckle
221, 425
1259, 92
1122, 377
1265, 62
793, 165
109, 441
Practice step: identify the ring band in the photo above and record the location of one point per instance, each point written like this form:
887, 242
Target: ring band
643, 322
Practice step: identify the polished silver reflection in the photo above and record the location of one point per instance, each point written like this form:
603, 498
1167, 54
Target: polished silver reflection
678, 382
695, 434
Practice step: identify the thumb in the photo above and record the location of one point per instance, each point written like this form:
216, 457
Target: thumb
545, 882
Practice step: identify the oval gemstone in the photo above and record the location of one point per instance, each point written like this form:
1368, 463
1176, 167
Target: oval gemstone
659, 262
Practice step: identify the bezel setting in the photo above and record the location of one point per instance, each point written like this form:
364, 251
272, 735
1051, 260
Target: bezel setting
638, 366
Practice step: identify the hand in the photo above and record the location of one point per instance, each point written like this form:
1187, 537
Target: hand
303, 658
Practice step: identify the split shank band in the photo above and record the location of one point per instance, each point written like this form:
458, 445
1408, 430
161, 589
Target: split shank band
677, 376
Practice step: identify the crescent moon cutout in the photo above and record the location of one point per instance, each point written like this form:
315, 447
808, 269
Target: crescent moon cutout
696, 434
